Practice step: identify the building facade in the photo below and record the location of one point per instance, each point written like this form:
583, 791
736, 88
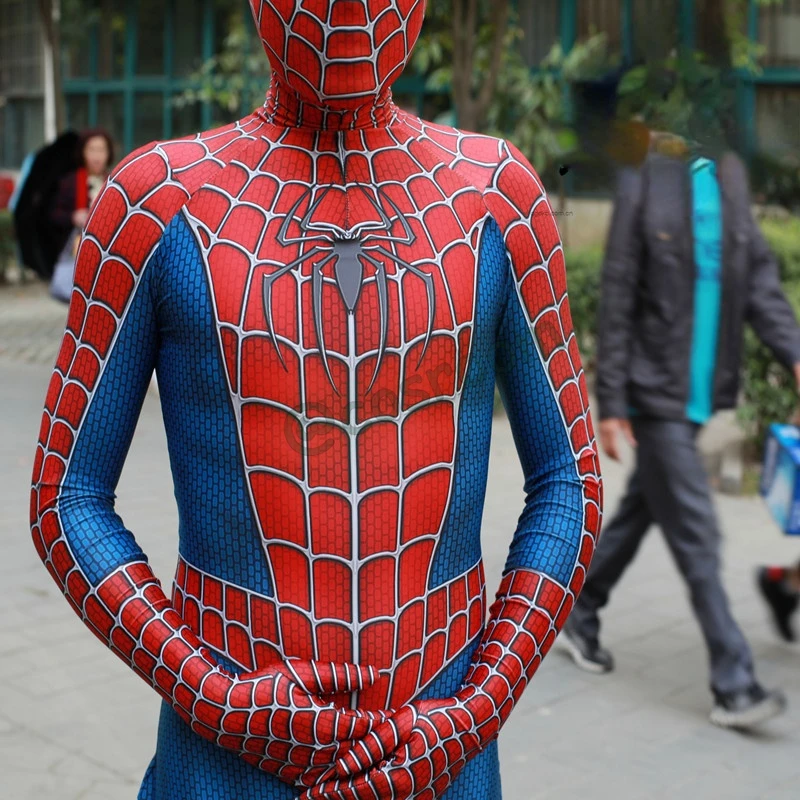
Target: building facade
21, 80
126, 64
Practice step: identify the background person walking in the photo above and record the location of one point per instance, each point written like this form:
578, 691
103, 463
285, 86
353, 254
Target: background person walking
685, 268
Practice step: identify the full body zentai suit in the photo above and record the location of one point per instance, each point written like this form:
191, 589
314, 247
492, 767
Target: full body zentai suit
328, 290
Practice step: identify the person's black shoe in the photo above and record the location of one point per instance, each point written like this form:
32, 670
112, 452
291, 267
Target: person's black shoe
747, 707
782, 603
586, 653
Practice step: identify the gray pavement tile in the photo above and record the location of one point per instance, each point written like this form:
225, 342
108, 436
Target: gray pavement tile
26, 752
105, 790
674, 670
62, 678
32, 786
660, 644
553, 682
786, 791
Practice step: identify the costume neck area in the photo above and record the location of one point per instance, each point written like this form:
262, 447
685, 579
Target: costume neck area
334, 61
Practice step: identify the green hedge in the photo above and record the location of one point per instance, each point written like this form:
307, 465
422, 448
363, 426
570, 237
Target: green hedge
583, 277
769, 393
768, 389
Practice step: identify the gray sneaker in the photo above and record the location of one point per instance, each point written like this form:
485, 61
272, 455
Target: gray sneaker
747, 707
585, 652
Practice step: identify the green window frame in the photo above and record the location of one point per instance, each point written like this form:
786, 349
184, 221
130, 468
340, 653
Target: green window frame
748, 84
90, 91
130, 84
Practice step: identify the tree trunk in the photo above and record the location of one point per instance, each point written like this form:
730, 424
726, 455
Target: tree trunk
712, 31
472, 104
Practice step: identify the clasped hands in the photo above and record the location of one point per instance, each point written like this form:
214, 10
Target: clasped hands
303, 732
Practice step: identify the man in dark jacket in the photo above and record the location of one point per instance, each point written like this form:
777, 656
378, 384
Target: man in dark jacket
685, 268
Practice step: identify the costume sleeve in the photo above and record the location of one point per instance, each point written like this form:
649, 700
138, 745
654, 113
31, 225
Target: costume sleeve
544, 391
93, 402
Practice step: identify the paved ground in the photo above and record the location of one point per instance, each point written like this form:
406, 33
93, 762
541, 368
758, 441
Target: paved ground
76, 725
31, 324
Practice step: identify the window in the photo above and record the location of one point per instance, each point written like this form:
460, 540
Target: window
110, 33
23, 130
777, 113
149, 117
655, 29
22, 124
126, 59
111, 115
78, 111
76, 43
601, 16
150, 39
540, 21
186, 119
779, 32
188, 41
20, 48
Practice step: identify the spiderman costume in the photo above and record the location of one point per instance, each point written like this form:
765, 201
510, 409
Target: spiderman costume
328, 290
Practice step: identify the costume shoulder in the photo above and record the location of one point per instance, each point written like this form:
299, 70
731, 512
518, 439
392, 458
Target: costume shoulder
128, 219
473, 156
515, 198
147, 189
158, 179
512, 191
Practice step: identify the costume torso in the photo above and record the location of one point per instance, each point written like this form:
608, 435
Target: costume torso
342, 280
325, 309
353, 493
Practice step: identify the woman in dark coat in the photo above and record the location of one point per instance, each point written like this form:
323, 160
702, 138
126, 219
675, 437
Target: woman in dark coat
70, 203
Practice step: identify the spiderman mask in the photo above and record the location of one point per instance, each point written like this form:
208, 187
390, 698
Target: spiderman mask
338, 53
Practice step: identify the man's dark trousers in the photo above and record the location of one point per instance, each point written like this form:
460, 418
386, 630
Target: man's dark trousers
669, 488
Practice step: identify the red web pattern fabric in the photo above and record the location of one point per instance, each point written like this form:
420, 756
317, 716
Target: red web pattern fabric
244, 625
144, 194
236, 212
352, 459
437, 738
128, 610
268, 205
517, 201
531, 608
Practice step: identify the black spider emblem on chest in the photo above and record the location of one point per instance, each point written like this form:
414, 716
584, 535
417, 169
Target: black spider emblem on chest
354, 253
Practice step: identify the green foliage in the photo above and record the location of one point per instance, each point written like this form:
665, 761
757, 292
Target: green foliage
769, 392
527, 106
583, 281
682, 94
776, 179
745, 53
236, 78
78, 15
690, 94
